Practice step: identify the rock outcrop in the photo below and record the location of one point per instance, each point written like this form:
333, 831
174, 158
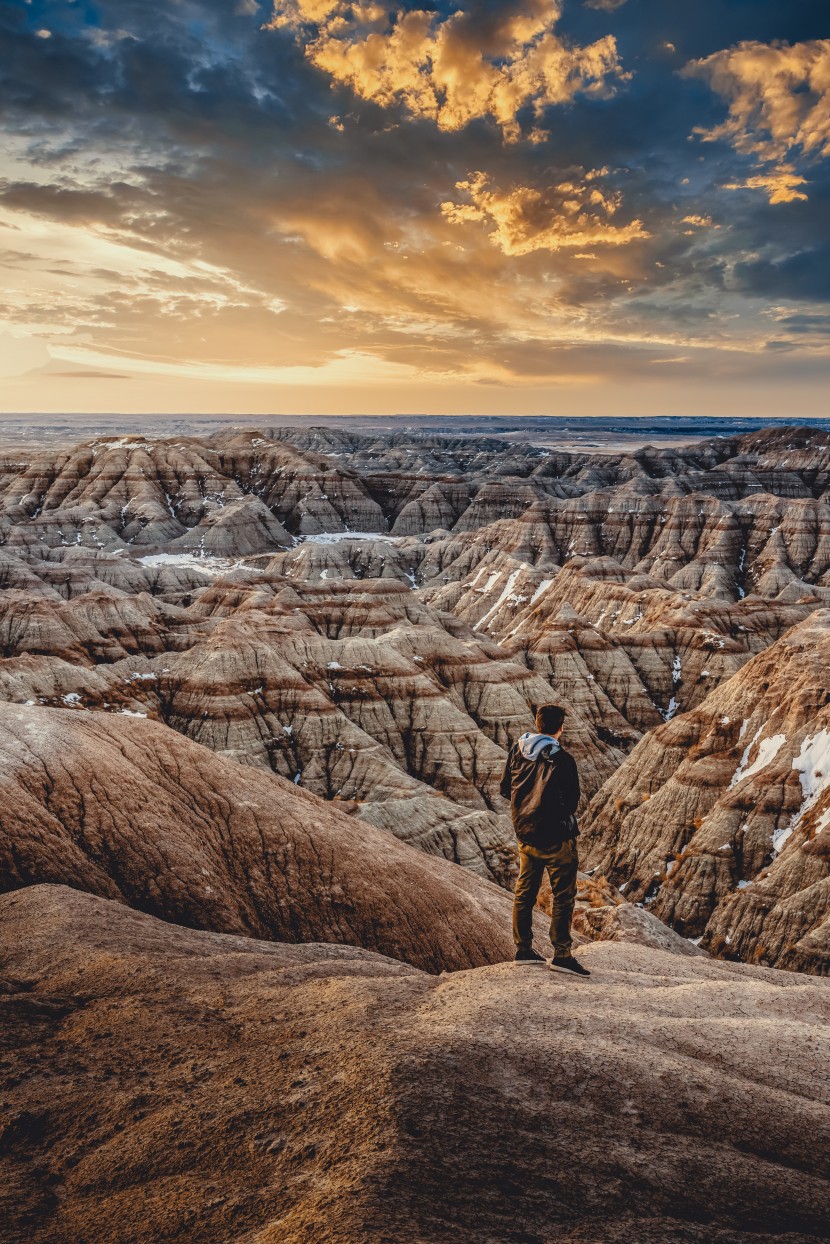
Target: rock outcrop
130, 810
160, 1082
719, 820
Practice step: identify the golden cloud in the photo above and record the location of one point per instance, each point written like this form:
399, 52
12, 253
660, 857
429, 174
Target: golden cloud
779, 103
571, 215
781, 184
455, 70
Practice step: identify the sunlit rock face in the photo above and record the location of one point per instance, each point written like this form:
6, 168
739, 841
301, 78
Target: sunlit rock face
719, 821
374, 618
164, 1082
129, 810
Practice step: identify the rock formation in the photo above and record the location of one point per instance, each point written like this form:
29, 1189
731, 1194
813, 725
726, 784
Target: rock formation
130, 810
160, 1082
719, 821
373, 618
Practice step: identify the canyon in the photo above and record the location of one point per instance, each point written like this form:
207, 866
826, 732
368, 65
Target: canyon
256, 693
372, 618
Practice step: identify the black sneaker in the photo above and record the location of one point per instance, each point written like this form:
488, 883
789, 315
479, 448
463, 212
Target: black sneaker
567, 963
528, 956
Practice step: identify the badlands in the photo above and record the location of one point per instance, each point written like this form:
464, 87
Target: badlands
256, 691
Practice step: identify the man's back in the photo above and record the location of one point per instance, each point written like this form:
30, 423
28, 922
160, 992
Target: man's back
541, 781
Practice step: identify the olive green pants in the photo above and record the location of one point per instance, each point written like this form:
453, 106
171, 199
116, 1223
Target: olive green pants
561, 863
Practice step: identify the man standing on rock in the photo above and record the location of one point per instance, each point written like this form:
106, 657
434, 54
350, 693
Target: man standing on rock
541, 781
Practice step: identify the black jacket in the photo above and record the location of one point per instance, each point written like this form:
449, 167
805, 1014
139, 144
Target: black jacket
543, 794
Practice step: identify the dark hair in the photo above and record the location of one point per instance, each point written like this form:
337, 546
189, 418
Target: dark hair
549, 718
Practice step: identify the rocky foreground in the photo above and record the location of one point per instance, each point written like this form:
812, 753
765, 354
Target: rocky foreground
372, 619
161, 1083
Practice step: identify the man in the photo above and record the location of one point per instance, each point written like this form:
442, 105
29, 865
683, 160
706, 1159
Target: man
541, 781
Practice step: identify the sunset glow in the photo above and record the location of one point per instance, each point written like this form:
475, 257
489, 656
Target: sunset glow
319, 207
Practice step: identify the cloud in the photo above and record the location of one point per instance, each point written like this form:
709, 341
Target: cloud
801, 276
779, 106
181, 189
572, 214
88, 375
454, 70
782, 184
607, 6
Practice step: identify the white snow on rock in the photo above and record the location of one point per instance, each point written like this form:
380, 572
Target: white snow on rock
676, 678
506, 594
743, 762
540, 591
127, 442
768, 749
813, 765
495, 575
209, 565
334, 537
813, 762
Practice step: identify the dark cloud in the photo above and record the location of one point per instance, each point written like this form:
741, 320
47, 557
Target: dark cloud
307, 221
803, 276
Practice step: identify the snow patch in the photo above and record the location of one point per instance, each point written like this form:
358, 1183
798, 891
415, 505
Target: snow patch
767, 751
130, 442
334, 537
506, 594
208, 565
495, 575
813, 764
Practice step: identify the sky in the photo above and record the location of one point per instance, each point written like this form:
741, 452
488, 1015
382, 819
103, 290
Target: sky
319, 207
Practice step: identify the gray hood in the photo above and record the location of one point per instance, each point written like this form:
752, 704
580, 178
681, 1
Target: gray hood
532, 745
